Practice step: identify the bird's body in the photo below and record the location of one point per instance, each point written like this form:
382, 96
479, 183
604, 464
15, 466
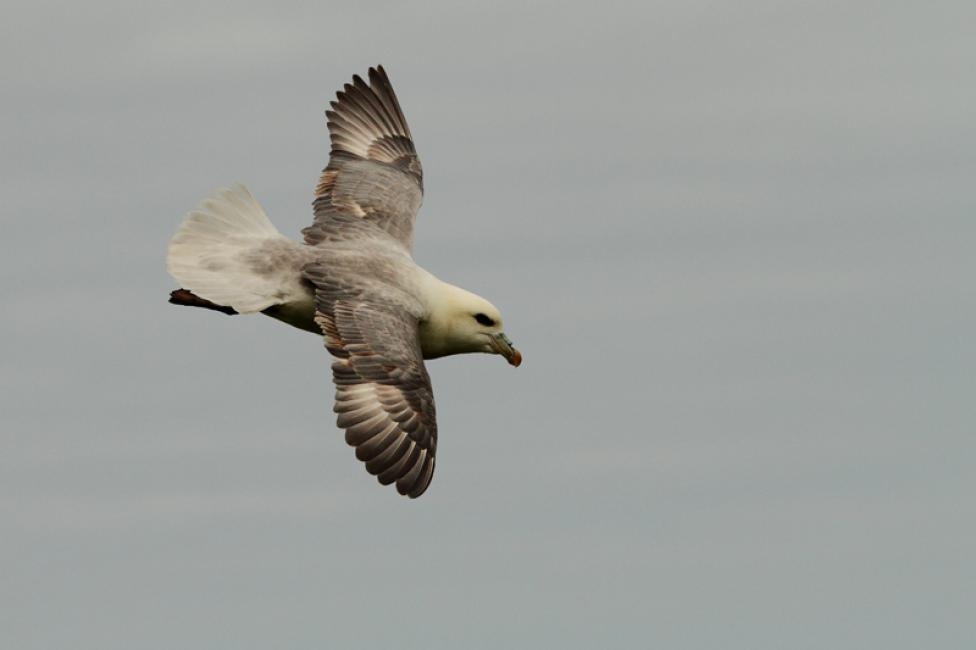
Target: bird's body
386, 273
354, 281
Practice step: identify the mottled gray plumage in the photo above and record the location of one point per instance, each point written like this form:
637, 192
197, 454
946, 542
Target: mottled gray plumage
368, 197
373, 172
354, 281
384, 399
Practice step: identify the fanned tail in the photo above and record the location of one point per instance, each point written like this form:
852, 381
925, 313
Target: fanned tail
216, 254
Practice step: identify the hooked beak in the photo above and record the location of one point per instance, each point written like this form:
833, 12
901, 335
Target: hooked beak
504, 347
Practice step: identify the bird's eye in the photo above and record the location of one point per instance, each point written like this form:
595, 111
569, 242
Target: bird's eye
484, 320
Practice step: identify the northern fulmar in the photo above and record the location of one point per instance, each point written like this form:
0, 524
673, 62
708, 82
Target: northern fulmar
353, 281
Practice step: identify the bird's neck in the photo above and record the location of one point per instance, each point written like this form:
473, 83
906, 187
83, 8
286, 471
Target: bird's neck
439, 336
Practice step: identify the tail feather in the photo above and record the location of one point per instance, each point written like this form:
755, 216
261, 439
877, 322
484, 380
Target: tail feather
210, 254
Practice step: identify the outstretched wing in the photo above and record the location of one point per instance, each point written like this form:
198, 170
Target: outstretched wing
374, 173
383, 396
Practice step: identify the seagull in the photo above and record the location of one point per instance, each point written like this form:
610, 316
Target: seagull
353, 281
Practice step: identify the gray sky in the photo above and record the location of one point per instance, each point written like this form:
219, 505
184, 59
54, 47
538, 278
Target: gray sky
734, 241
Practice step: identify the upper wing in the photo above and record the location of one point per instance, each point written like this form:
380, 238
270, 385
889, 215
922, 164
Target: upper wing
383, 396
374, 172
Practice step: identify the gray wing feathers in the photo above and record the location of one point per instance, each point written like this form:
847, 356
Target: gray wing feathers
384, 400
374, 173
366, 120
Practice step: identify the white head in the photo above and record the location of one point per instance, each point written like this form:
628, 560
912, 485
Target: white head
461, 322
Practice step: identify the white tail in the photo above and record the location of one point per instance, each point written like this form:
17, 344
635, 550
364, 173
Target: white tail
209, 253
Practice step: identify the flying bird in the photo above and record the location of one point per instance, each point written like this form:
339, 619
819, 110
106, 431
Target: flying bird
353, 281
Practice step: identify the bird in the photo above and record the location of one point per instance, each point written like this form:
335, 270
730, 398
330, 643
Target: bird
352, 281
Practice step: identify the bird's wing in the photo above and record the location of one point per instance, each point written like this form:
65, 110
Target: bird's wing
374, 173
383, 397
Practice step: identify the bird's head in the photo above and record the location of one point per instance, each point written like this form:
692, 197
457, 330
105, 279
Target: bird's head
468, 323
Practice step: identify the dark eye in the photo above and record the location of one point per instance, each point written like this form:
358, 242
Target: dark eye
484, 320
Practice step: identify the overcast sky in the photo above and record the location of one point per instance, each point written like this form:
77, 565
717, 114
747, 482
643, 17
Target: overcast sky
735, 242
